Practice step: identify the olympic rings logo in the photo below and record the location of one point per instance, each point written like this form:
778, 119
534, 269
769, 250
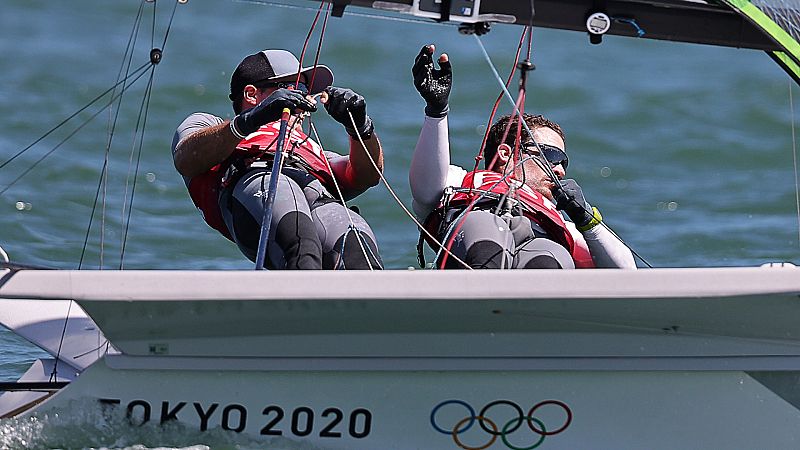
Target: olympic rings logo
500, 429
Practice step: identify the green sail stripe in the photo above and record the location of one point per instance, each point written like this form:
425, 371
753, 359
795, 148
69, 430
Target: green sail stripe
783, 38
788, 64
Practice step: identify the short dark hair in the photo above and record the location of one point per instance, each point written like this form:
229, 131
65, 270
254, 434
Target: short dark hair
237, 99
499, 128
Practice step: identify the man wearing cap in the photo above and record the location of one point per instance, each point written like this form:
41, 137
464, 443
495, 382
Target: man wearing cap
227, 165
505, 216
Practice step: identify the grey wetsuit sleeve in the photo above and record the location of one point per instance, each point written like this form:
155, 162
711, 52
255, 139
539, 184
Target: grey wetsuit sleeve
194, 122
429, 166
607, 250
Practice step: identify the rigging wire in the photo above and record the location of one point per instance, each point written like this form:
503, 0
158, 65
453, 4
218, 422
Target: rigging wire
513, 102
509, 169
458, 222
104, 172
471, 205
319, 48
479, 157
142, 119
36, 163
103, 181
105, 344
400, 202
359, 238
545, 167
305, 43
145, 108
794, 161
71, 116
54, 373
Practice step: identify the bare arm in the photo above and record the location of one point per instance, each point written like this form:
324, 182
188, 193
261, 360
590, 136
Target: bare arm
204, 148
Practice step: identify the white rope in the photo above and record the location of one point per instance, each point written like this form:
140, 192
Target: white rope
344, 203
543, 164
794, 160
459, 218
4, 255
399, 202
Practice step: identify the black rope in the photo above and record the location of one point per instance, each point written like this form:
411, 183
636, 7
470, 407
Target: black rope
141, 120
92, 117
129, 49
49, 132
169, 25
125, 67
144, 108
54, 373
143, 111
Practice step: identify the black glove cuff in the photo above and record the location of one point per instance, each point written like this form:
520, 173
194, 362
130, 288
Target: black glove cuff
581, 218
437, 112
241, 125
365, 131
235, 129
581, 215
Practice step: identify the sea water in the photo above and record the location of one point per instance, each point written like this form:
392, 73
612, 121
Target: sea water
686, 149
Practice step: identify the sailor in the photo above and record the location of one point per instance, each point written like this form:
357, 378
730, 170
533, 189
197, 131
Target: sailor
505, 216
227, 165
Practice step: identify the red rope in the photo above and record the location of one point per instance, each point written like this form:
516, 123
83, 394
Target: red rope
305, 44
521, 107
479, 157
319, 45
515, 154
471, 205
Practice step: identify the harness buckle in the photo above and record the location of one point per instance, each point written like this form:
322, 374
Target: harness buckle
447, 195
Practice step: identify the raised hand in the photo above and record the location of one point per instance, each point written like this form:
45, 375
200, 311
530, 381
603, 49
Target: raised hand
269, 110
431, 83
342, 100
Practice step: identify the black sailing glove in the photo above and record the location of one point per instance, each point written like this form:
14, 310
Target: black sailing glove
432, 84
269, 110
340, 100
569, 198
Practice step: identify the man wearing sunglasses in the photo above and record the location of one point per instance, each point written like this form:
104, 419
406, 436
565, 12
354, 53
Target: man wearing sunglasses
514, 214
227, 164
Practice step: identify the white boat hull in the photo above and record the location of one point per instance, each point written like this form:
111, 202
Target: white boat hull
672, 358
403, 409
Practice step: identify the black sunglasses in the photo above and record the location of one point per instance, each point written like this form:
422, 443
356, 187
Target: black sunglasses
552, 154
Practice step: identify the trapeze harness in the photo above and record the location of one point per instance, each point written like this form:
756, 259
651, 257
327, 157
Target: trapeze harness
493, 188
258, 147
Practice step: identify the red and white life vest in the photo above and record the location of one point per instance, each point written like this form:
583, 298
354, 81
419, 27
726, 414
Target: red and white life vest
537, 208
204, 189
